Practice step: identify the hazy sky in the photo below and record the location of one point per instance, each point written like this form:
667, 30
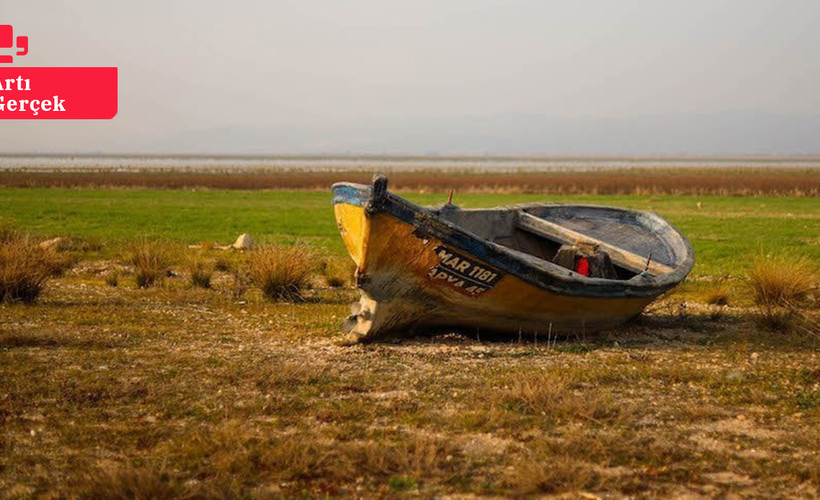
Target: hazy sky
445, 77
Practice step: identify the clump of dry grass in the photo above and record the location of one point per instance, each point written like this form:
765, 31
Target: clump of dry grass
229, 261
201, 273
781, 280
552, 395
240, 281
25, 267
338, 272
150, 258
127, 481
557, 475
776, 319
223, 264
420, 456
112, 279
718, 295
781, 285
8, 233
282, 272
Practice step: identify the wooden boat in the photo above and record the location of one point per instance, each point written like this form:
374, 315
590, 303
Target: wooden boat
432, 268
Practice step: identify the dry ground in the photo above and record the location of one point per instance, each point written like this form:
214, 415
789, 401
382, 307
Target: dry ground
174, 391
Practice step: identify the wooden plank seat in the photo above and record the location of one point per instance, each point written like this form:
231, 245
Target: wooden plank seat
620, 257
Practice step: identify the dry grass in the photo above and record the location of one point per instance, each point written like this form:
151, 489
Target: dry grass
112, 279
777, 319
338, 272
240, 282
121, 482
8, 233
782, 280
223, 264
177, 392
421, 456
200, 273
660, 180
552, 395
782, 285
282, 272
25, 267
150, 259
720, 295
556, 474
172, 392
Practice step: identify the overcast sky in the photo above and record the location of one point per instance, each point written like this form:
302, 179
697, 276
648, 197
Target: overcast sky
433, 77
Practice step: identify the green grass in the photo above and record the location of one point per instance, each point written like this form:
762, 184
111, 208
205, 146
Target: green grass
723, 230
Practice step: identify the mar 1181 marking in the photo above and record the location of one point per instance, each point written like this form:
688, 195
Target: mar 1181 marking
462, 273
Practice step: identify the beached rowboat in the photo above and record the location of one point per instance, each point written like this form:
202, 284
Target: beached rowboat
524, 268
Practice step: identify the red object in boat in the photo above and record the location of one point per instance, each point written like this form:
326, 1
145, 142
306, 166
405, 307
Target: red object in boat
582, 267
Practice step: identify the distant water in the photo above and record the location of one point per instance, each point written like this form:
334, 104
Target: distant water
485, 164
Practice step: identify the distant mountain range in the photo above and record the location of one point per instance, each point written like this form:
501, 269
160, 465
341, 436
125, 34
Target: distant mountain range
726, 134
697, 135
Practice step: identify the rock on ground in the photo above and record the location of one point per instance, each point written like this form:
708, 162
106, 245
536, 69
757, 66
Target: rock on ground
243, 242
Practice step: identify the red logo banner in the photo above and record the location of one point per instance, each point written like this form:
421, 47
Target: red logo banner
58, 93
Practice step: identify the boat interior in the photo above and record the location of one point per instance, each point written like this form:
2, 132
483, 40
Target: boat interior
631, 242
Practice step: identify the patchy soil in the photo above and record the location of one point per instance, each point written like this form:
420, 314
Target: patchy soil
176, 391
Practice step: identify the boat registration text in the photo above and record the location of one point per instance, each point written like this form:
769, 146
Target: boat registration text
463, 273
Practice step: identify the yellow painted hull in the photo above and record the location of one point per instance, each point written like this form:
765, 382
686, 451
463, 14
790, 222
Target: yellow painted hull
406, 286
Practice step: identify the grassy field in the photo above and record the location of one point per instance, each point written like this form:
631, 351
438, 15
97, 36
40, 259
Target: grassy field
173, 391
724, 230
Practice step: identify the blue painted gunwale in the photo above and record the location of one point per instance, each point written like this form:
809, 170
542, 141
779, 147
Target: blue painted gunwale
538, 272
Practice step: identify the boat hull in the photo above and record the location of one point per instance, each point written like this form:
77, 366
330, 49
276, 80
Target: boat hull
412, 281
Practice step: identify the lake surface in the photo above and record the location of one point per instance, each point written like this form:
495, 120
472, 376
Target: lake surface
489, 164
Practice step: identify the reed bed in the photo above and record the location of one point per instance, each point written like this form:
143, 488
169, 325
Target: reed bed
783, 181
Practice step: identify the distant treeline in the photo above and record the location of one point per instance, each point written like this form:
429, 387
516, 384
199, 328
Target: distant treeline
706, 181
